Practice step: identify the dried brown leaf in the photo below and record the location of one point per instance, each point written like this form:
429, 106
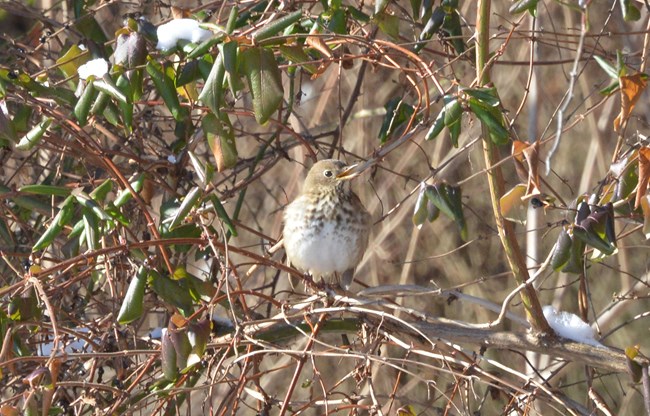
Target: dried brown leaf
518, 148
531, 154
632, 87
526, 157
180, 13
644, 175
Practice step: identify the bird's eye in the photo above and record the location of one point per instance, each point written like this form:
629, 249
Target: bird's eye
328, 173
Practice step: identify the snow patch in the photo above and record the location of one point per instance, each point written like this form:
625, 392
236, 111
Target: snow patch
97, 68
180, 29
568, 325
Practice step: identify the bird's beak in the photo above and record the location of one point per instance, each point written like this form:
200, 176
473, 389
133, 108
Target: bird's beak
349, 172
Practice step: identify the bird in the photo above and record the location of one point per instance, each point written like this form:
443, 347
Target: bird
326, 228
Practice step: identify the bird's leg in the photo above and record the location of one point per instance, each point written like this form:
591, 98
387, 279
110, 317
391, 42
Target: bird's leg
346, 279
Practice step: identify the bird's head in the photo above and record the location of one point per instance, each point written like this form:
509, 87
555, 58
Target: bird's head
329, 174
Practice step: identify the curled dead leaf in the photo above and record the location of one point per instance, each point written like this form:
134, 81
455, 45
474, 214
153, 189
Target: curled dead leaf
644, 175
632, 86
526, 157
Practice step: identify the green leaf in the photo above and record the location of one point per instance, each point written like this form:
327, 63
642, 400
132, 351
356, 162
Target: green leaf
389, 24
521, 6
380, 5
337, 21
420, 211
358, 15
276, 27
454, 133
212, 92
203, 47
22, 116
125, 195
453, 194
203, 171
397, 113
562, 251
181, 344
7, 129
610, 89
200, 289
452, 26
609, 69
82, 108
264, 80
73, 58
452, 110
85, 200
99, 193
486, 95
34, 136
201, 335
452, 118
629, 10
24, 307
168, 357
230, 53
107, 86
62, 96
297, 54
126, 108
627, 182
597, 229
621, 68
415, 8
49, 190
439, 123
166, 88
91, 229
188, 73
6, 235
133, 302
232, 20
189, 202
100, 103
407, 410
172, 292
222, 214
634, 368
77, 230
221, 139
488, 115
448, 199
27, 202
56, 226
432, 26
593, 239
92, 30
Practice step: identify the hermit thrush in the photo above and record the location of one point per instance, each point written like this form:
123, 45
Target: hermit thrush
326, 227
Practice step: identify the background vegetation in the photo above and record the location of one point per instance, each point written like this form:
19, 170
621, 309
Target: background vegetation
152, 198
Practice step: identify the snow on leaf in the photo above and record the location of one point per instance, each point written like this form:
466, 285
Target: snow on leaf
180, 29
97, 68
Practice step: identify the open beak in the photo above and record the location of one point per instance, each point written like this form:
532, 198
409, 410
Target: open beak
349, 172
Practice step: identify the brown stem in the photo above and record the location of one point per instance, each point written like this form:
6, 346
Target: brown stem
492, 157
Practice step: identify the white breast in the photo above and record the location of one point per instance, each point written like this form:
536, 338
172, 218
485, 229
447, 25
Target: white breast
322, 250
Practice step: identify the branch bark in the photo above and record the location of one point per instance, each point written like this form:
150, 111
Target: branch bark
492, 158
